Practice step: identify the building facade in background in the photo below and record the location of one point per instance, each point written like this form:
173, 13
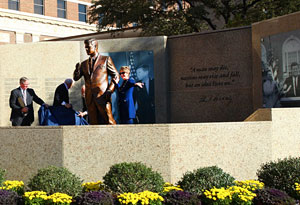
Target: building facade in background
23, 21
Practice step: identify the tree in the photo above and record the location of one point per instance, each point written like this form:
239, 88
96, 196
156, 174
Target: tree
172, 17
264, 9
156, 17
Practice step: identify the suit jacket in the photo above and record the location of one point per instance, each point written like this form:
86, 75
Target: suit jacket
61, 94
126, 103
84, 108
16, 114
96, 78
145, 103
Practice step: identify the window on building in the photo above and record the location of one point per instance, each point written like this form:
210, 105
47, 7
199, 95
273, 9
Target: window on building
82, 13
61, 9
13, 4
291, 55
39, 7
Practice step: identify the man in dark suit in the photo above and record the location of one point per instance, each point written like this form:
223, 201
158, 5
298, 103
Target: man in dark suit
20, 102
61, 95
144, 97
98, 89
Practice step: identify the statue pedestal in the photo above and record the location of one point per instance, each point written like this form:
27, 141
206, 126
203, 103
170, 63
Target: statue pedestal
239, 148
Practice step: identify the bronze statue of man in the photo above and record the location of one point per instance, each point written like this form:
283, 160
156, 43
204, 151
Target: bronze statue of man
98, 89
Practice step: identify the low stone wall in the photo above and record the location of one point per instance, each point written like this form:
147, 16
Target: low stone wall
239, 148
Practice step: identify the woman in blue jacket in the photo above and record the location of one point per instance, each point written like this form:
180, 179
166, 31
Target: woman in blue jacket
125, 90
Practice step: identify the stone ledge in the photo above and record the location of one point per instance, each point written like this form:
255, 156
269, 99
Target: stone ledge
239, 148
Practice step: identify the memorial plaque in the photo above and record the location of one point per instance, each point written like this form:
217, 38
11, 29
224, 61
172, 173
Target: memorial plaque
211, 76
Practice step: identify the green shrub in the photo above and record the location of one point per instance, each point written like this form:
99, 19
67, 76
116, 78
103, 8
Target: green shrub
2, 179
56, 179
204, 179
133, 177
281, 175
270, 196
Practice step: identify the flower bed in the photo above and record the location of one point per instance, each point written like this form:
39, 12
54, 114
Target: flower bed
134, 178
242, 193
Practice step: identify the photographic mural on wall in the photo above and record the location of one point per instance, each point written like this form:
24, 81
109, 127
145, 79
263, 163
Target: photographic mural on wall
280, 59
141, 70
